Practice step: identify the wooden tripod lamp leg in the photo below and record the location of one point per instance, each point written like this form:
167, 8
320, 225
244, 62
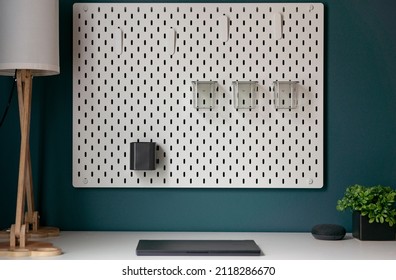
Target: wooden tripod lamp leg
24, 82
18, 244
32, 218
24, 86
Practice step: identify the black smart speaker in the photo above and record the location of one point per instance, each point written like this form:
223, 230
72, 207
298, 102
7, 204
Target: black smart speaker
328, 232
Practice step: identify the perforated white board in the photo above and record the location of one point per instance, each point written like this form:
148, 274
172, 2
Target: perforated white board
128, 86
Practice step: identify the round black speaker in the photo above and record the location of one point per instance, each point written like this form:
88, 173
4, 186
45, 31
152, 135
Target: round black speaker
328, 232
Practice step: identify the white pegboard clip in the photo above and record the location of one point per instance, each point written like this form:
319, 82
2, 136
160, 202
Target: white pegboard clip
171, 41
278, 30
224, 28
118, 41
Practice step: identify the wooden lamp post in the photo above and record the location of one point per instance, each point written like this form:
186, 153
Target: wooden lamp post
29, 46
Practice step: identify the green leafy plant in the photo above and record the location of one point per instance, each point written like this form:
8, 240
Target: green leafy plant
377, 203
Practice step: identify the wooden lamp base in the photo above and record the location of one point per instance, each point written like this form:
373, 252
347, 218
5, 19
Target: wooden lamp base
31, 249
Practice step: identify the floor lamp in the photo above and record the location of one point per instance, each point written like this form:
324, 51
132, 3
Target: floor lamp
29, 47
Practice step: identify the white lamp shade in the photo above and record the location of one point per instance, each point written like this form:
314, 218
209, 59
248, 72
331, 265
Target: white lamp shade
29, 36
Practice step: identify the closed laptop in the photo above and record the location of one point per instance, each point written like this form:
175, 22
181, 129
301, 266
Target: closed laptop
197, 248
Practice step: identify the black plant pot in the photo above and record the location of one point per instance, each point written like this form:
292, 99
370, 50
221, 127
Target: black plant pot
363, 230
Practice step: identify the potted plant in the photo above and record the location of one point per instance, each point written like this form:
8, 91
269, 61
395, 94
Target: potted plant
374, 212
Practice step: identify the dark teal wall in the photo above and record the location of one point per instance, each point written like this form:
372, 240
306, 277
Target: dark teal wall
360, 138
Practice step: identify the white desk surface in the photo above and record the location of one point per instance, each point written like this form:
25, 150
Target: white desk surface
275, 246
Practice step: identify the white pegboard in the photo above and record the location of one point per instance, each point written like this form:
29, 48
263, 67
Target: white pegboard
133, 82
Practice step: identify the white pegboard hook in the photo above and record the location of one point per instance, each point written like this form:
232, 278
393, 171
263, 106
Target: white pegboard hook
171, 41
224, 28
118, 41
278, 28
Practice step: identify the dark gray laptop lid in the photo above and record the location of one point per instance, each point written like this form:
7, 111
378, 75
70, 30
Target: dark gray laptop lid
197, 248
